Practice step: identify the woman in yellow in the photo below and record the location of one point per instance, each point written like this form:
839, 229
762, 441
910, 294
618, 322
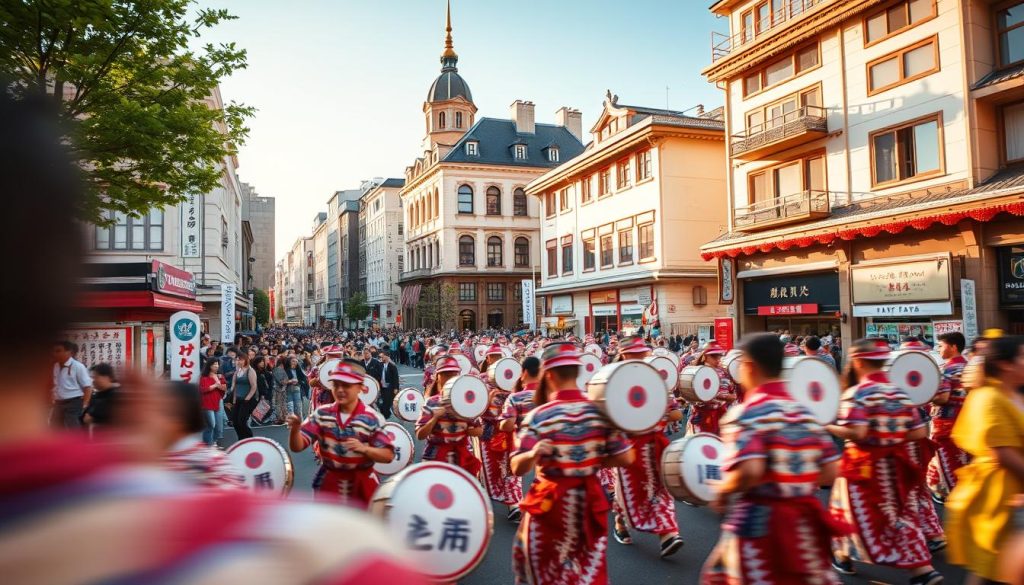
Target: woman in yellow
991, 429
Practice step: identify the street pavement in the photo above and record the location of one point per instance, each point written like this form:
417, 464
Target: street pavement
636, 564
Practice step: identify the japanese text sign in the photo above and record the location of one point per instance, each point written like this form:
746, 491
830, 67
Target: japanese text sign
921, 280
184, 347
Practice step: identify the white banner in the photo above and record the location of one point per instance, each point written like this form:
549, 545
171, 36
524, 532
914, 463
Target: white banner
191, 227
529, 311
184, 347
111, 345
970, 310
227, 313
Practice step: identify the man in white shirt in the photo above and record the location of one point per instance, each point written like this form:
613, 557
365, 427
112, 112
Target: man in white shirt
72, 387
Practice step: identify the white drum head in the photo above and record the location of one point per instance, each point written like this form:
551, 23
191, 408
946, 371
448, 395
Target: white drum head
731, 363
480, 352
591, 364
325, 370
594, 349
404, 448
264, 464
701, 464
666, 368
915, 373
468, 396
442, 516
464, 364
664, 352
634, 394
506, 351
409, 404
814, 384
704, 381
369, 396
504, 373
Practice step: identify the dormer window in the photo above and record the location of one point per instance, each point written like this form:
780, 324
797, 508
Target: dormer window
553, 154
471, 148
519, 151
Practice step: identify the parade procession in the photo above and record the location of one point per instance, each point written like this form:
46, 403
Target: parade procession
766, 330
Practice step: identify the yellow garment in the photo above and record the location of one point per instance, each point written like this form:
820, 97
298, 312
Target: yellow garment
978, 514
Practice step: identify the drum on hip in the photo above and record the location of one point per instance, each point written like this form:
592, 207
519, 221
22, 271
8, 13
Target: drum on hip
465, 396
407, 404
690, 466
814, 384
264, 464
504, 373
916, 373
404, 447
699, 383
591, 364
631, 393
667, 369
666, 353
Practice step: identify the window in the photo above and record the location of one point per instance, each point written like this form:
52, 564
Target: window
494, 253
553, 154
907, 152
519, 207
626, 246
1010, 32
896, 19
564, 202
789, 178
549, 205
567, 256
1013, 132
520, 151
622, 174
604, 181
458, 119
783, 111
493, 201
467, 291
790, 66
607, 251
646, 241
467, 251
643, 165
495, 291
465, 199
903, 66
588, 254
585, 190
552, 249
471, 148
517, 293
441, 120
135, 233
522, 252
401, 230
223, 236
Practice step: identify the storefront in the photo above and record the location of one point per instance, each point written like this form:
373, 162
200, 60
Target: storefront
801, 303
619, 309
1011, 286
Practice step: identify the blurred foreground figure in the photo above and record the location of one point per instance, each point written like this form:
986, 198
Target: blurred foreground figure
75, 511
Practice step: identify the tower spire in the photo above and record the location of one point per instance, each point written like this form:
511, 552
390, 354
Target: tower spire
449, 58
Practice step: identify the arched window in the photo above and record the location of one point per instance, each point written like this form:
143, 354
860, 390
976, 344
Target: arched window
437, 253
467, 320
522, 252
493, 201
467, 251
441, 120
494, 251
458, 119
519, 203
437, 203
465, 199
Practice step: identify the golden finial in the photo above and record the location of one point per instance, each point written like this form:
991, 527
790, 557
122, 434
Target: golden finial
449, 52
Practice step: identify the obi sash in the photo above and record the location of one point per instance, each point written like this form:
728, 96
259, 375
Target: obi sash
363, 481
786, 513
500, 441
858, 461
463, 457
547, 493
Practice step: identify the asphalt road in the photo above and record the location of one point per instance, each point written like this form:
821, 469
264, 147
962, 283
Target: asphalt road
636, 564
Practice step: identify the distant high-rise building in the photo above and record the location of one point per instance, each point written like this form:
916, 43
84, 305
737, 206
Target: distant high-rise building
260, 213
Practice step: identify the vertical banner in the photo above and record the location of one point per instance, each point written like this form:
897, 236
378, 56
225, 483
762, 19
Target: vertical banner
184, 347
191, 226
726, 276
227, 313
970, 310
529, 308
723, 333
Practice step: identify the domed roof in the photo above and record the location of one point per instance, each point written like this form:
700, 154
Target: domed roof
449, 85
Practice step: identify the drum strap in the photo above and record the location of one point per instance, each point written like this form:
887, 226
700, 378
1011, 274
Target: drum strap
546, 492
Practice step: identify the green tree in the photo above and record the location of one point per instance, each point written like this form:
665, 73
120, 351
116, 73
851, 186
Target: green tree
134, 86
356, 308
437, 305
261, 308
280, 310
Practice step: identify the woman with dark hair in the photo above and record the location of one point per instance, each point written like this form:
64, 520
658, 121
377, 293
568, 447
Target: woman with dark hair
181, 421
244, 388
213, 387
447, 435
102, 406
979, 511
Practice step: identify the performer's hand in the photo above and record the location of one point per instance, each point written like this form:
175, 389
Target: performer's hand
720, 503
543, 447
436, 414
293, 421
354, 445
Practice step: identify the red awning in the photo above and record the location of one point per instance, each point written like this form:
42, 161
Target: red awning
135, 299
411, 295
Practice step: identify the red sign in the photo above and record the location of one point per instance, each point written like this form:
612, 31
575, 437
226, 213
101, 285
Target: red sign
723, 333
806, 309
173, 281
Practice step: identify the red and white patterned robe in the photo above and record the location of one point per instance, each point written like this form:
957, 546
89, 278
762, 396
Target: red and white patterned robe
640, 496
948, 458
495, 446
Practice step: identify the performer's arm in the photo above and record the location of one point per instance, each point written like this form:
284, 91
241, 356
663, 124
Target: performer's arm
675, 415
856, 432
623, 459
829, 472
296, 441
475, 431
523, 463
942, 397
375, 454
743, 476
507, 426
424, 428
1010, 458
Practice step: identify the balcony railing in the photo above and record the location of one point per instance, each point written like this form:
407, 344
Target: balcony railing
779, 133
797, 207
419, 272
723, 45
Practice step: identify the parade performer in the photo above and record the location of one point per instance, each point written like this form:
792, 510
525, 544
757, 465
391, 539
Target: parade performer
495, 445
350, 439
447, 435
775, 531
640, 499
563, 537
881, 478
705, 416
433, 354
520, 402
946, 408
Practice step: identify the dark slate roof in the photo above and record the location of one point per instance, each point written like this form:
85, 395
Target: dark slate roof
1006, 179
1001, 75
393, 183
495, 138
449, 85
711, 121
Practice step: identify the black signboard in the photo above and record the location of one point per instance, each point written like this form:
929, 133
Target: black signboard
1011, 275
821, 289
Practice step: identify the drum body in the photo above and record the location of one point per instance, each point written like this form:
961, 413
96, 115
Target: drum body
407, 404
594, 349
699, 383
666, 353
667, 369
480, 352
815, 384
506, 351
425, 502
264, 464
591, 364
465, 396
369, 396
916, 373
465, 366
631, 393
689, 463
504, 373
731, 364
404, 449
325, 371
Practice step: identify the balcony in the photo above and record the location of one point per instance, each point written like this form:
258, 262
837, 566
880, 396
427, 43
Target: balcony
723, 46
795, 208
779, 133
418, 273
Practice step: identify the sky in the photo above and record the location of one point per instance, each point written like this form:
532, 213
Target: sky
339, 85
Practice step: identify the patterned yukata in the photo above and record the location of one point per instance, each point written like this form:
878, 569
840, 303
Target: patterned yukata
880, 488
518, 405
202, 464
705, 416
941, 478
448, 442
344, 475
563, 537
777, 532
428, 375
502, 485
640, 496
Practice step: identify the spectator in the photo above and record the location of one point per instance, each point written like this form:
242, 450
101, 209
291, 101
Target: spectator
812, 347
103, 405
72, 387
212, 387
180, 424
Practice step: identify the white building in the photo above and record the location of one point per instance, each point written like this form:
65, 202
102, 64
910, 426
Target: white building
298, 281
384, 248
317, 303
